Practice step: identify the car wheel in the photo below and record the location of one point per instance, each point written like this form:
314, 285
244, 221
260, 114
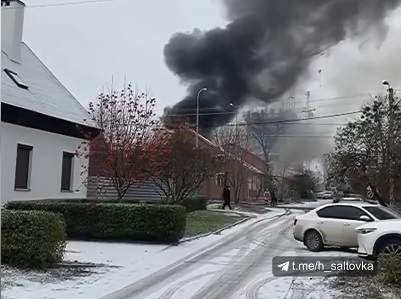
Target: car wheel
391, 246
313, 241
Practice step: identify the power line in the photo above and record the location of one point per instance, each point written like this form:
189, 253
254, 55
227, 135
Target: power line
292, 120
239, 106
62, 4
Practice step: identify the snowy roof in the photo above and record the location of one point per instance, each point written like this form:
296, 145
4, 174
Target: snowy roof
45, 93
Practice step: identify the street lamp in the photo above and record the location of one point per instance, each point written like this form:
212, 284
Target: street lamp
391, 138
236, 153
197, 115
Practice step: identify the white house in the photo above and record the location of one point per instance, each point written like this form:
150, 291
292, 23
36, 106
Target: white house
42, 124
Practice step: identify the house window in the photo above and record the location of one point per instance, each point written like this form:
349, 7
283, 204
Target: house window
66, 171
220, 179
23, 167
16, 79
255, 183
250, 183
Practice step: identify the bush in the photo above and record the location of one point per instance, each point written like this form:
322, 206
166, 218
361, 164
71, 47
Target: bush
195, 204
115, 221
32, 239
87, 200
389, 269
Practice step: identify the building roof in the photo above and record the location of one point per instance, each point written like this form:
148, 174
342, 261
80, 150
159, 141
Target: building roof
45, 93
244, 163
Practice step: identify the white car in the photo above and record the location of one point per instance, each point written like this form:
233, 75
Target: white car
379, 237
335, 224
325, 195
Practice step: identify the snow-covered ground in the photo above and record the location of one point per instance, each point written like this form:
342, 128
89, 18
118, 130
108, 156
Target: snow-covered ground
233, 264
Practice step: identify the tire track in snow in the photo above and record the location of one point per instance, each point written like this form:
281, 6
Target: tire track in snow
172, 290
253, 291
226, 285
169, 293
148, 285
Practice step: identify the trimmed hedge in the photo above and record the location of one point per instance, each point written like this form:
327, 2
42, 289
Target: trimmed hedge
389, 269
32, 239
86, 200
115, 221
195, 204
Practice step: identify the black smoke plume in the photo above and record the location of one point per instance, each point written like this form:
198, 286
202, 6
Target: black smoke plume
262, 53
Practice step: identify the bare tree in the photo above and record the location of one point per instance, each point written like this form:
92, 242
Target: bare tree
235, 142
265, 127
176, 166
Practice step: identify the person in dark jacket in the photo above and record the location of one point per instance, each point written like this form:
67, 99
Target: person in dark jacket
226, 198
376, 195
274, 198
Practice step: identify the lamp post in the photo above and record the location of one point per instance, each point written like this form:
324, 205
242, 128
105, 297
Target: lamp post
236, 184
391, 139
197, 115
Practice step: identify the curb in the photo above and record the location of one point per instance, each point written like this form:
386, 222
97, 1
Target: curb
217, 232
239, 213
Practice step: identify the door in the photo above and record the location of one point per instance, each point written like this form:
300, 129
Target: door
351, 222
330, 224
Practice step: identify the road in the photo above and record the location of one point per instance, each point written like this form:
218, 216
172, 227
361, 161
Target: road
238, 266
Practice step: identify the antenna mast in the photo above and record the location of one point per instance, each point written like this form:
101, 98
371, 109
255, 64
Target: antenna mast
308, 110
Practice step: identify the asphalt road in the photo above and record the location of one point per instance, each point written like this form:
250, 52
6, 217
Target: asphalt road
236, 268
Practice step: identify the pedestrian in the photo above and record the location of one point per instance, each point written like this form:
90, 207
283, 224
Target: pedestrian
376, 195
226, 198
274, 198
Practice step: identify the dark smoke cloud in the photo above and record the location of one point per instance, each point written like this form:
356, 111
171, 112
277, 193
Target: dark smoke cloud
263, 52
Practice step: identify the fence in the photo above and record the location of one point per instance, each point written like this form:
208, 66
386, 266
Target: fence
102, 188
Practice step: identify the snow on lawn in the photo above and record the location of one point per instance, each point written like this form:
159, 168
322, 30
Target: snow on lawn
123, 264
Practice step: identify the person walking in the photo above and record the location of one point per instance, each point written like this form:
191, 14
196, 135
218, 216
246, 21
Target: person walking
376, 195
226, 198
274, 198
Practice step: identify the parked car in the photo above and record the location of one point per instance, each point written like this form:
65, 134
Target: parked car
325, 195
379, 237
335, 224
349, 198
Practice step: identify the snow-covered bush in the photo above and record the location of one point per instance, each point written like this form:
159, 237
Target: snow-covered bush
32, 239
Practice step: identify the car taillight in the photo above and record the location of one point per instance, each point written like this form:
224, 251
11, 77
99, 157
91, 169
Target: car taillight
295, 221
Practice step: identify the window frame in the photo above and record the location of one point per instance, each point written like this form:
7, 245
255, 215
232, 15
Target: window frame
16, 78
28, 148
71, 178
363, 212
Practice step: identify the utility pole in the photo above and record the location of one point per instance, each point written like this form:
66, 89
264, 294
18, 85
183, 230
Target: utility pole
391, 140
308, 110
391, 137
236, 140
197, 115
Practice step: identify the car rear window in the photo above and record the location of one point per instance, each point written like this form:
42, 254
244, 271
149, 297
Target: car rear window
382, 213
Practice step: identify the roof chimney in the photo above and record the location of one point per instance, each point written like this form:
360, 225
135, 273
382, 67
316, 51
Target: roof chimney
12, 23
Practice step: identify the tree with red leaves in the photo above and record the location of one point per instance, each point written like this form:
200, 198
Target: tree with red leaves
118, 155
176, 166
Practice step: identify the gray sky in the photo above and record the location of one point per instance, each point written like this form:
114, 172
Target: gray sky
85, 45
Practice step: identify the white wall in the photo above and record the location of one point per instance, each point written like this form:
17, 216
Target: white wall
46, 163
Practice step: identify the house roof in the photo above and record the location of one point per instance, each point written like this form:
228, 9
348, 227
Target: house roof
244, 163
45, 93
